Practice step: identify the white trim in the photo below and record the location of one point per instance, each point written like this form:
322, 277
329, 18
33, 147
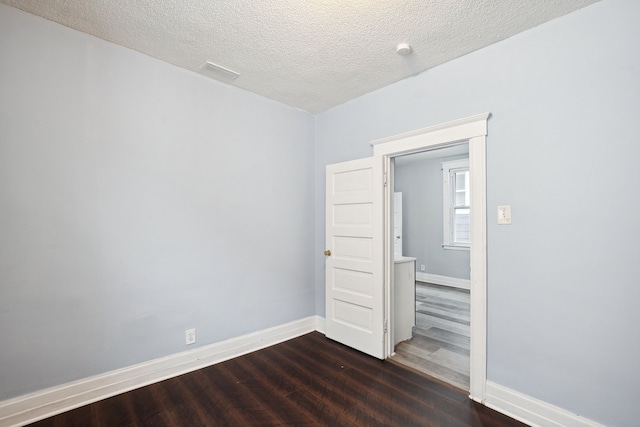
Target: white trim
456, 248
388, 260
448, 207
478, 260
320, 322
531, 411
474, 130
442, 134
453, 282
41, 404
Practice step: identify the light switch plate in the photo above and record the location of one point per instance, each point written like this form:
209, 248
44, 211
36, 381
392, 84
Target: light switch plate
504, 215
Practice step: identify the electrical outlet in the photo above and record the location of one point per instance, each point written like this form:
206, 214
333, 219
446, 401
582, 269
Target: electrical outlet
422, 267
504, 215
190, 336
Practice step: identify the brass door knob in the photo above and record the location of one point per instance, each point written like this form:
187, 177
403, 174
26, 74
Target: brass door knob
327, 253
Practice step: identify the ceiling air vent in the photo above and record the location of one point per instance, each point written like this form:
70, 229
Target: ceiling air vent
219, 72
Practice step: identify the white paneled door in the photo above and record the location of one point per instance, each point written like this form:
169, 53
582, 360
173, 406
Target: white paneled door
354, 255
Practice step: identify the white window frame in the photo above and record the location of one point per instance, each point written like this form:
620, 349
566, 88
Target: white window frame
448, 168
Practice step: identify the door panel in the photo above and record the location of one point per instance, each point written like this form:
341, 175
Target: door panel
354, 270
353, 216
353, 281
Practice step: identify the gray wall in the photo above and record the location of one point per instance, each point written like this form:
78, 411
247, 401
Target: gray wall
420, 181
563, 290
138, 200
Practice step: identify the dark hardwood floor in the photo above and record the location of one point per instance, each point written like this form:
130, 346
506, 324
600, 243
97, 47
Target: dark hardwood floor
307, 381
441, 337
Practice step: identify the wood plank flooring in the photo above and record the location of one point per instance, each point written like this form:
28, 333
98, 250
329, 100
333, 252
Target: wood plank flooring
440, 343
307, 381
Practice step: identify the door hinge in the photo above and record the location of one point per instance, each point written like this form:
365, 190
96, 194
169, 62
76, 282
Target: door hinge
385, 326
385, 179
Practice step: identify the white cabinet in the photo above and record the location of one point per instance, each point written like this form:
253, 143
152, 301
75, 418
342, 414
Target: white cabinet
404, 298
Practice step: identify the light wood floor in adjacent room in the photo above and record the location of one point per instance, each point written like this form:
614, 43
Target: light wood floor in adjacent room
440, 343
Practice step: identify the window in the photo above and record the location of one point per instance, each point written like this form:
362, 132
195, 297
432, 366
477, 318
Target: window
457, 205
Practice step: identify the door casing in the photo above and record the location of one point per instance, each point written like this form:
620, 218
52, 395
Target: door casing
474, 131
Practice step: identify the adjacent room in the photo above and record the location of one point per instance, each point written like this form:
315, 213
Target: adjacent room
163, 202
431, 232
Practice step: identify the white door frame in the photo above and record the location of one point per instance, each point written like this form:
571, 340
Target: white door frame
473, 130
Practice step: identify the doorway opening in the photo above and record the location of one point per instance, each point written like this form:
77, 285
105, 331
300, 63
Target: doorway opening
430, 290
472, 130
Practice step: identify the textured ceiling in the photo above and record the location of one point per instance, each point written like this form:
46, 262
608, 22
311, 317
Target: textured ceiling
312, 54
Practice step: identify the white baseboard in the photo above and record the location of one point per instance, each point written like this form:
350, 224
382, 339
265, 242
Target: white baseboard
45, 403
35, 406
531, 411
320, 322
443, 280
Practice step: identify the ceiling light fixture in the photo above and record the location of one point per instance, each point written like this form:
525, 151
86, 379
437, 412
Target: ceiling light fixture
403, 49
